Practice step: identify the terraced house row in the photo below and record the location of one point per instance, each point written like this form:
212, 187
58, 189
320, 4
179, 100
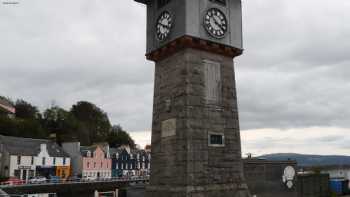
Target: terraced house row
26, 158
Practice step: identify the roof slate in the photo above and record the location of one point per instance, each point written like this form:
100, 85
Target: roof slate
30, 147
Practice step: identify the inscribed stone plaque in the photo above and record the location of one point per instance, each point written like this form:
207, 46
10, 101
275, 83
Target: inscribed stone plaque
169, 128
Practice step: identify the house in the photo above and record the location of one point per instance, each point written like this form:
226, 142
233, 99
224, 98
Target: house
6, 108
89, 161
25, 158
127, 162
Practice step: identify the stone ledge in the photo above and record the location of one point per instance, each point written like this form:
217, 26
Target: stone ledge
195, 43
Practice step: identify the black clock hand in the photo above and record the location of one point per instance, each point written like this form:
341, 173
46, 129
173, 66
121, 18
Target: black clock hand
217, 23
165, 26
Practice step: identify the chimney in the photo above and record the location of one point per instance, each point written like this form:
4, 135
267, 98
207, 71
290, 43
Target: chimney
43, 147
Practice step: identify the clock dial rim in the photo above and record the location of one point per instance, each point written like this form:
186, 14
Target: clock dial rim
207, 28
158, 21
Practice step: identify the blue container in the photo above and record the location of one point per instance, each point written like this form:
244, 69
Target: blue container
339, 186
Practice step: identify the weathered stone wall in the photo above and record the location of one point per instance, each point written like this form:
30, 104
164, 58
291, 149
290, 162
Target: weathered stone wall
183, 164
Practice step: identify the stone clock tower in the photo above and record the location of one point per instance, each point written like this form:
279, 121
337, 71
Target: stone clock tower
196, 148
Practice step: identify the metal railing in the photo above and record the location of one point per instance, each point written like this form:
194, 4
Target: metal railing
20, 183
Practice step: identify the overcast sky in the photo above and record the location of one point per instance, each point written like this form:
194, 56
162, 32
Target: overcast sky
293, 78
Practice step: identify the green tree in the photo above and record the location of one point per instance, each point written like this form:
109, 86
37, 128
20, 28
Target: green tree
62, 123
93, 120
118, 137
8, 126
26, 110
28, 121
21, 128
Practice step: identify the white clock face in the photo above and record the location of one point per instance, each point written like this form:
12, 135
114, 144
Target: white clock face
215, 23
164, 25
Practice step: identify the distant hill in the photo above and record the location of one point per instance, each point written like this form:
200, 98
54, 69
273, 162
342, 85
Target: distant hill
310, 160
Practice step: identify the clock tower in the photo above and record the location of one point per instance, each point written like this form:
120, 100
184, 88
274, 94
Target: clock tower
196, 147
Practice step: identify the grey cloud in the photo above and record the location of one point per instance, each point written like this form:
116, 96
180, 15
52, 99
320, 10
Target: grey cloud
294, 71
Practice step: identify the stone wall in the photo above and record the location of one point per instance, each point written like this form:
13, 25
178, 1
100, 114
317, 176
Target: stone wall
183, 164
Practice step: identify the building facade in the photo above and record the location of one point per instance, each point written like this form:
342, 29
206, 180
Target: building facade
126, 162
89, 161
96, 162
26, 158
7, 109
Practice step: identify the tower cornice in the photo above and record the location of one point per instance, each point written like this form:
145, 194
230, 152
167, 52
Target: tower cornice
195, 43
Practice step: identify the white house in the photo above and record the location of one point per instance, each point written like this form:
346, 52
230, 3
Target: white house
25, 158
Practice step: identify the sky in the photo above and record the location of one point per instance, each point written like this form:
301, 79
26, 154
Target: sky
292, 80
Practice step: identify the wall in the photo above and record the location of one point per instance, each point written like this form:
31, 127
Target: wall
26, 162
92, 165
5, 163
73, 149
264, 178
338, 173
313, 185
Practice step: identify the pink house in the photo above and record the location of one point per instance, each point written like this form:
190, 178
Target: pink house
96, 161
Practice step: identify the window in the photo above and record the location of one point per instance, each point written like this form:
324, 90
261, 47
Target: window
64, 161
162, 3
43, 161
216, 140
18, 160
31, 173
54, 161
94, 164
17, 173
212, 82
101, 164
222, 2
88, 164
32, 161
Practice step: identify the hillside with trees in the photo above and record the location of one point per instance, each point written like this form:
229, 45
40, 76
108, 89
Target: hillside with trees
84, 122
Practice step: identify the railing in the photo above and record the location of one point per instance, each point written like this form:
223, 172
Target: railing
19, 183
25, 195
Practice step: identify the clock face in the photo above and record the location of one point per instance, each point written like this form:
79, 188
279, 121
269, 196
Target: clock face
164, 24
215, 23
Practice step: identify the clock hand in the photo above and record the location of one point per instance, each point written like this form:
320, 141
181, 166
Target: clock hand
217, 23
164, 26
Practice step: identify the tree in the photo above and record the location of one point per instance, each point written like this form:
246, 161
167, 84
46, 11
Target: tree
26, 110
93, 119
8, 126
118, 137
28, 121
22, 128
58, 121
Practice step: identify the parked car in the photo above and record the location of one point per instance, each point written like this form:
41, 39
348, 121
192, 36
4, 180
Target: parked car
88, 178
37, 180
13, 181
55, 179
